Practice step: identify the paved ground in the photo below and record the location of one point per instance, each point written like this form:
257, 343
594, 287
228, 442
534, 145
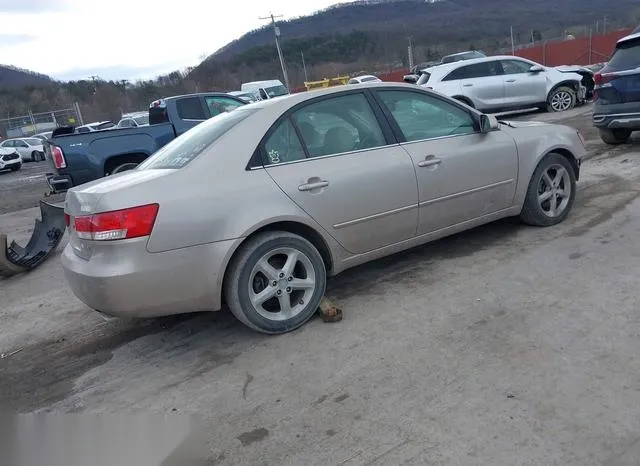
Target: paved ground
506, 345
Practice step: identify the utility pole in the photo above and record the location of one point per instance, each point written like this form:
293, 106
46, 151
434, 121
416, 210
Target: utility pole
513, 44
604, 26
276, 31
304, 67
411, 60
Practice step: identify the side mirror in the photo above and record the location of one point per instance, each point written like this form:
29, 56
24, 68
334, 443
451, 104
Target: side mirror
536, 69
488, 123
410, 78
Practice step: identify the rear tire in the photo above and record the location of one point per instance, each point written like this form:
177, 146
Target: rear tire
615, 136
35, 156
275, 282
561, 99
551, 192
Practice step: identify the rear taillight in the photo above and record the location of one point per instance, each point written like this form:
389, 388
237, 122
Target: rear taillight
602, 79
118, 224
58, 157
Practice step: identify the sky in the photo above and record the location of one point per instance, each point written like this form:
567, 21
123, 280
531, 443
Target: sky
128, 39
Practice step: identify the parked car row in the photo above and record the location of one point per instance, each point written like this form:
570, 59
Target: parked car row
29, 149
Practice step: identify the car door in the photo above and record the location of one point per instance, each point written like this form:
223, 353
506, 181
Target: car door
462, 173
482, 83
522, 87
22, 148
337, 161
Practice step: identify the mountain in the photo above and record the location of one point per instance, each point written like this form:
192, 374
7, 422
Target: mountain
435, 21
12, 77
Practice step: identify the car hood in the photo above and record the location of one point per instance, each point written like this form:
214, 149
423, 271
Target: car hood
6, 150
522, 124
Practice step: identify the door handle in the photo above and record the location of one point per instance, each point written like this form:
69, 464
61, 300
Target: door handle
429, 161
510, 80
468, 85
313, 185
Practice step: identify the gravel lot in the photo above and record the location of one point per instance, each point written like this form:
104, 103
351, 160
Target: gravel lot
505, 345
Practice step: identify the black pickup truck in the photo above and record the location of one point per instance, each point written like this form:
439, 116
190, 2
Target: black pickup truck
80, 158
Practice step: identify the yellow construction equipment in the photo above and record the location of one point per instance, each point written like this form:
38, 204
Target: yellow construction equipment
327, 82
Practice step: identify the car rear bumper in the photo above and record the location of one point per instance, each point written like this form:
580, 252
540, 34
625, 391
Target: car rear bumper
122, 279
59, 183
617, 120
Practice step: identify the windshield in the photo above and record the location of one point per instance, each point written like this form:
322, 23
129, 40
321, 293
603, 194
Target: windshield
142, 120
276, 91
182, 150
33, 141
424, 78
370, 78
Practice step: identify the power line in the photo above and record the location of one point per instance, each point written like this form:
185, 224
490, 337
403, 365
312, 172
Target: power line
276, 31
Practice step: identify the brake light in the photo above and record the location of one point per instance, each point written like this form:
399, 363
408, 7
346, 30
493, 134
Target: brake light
58, 157
129, 223
602, 79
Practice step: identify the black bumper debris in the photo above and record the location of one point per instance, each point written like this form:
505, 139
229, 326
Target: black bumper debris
46, 236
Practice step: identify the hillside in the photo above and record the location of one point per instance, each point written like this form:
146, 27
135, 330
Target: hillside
12, 77
444, 20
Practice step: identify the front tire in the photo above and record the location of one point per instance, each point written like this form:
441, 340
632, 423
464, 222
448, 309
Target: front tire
561, 99
275, 283
35, 156
615, 137
551, 192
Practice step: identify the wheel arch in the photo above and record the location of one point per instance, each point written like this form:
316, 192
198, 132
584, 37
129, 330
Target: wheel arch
290, 226
566, 83
115, 160
567, 154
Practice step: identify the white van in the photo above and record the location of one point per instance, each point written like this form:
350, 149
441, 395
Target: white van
264, 90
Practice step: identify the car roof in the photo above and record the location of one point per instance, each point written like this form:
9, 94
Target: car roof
629, 38
454, 65
285, 102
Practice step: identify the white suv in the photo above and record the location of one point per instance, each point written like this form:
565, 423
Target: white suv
503, 83
10, 159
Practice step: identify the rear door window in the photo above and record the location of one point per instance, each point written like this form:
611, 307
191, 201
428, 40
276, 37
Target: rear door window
626, 56
190, 108
478, 70
182, 150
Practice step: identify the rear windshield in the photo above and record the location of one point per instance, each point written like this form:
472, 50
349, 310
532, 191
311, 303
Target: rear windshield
424, 78
183, 149
626, 56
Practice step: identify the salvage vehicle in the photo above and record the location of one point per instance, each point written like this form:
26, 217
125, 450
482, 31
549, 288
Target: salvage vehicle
588, 80
505, 83
10, 159
80, 158
276, 196
616, 110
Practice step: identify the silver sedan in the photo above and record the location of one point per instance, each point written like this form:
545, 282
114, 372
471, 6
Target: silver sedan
256, 207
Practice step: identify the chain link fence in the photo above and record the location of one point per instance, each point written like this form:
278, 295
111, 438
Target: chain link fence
34, 123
